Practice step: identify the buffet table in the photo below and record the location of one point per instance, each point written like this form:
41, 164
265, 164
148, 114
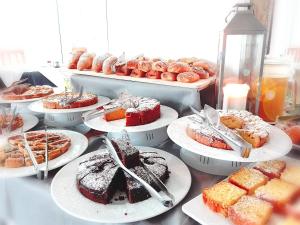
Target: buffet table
19, 192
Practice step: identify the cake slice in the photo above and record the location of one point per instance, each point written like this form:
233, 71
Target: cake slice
221, 196
98, 178
272, 169
250, 211
291, 175
128, 154
157, 165
248, 179
278, 193
290, 221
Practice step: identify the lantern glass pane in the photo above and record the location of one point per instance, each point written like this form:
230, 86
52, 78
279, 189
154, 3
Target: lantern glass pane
243, 57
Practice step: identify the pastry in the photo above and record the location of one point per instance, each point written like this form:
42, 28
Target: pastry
152, 74
108, 65
144, 65
248, 179
291, 175
160, 66
278, 193
272, 168
178, 67
57, 101
75, 58
17, 156
85, 61
169, 76
201, 72
188, 77
250, 210
6, 120
221, 196
98, 62
30, 92
137, 73
250, 127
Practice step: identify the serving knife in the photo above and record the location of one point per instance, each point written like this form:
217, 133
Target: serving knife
212, 119
166, 200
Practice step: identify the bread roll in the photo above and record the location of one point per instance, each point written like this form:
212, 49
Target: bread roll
108, 65
123, 70
132, 64
188, 77
201, 72
169, 76
152, 74
75, 58
189, 60
206, 66
85, 61
98, 62
160, 66
137, 73
144, 65
178, 67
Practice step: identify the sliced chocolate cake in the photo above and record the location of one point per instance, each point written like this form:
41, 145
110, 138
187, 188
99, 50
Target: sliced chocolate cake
128, 154
157, 165
99, 178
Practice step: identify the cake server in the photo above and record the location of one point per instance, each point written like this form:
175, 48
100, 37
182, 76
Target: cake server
212, 118
163, 198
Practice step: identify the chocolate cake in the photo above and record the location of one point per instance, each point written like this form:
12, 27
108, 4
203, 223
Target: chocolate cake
128, 154
99, 177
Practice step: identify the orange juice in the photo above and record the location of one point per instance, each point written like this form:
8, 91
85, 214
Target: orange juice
273, 94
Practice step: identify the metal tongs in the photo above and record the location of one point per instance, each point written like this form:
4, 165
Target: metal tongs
67, 101
166, 198
212, 119
41, 174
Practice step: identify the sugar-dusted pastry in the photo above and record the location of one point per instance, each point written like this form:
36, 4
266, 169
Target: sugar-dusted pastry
221, 196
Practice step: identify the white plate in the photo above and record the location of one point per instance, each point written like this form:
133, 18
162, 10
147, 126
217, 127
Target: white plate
38, 107
197, 210
30, 121
79, 143
167, 116
66, 195
278, 145
3, 101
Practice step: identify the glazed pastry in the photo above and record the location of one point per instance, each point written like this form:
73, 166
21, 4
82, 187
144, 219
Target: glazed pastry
169, 76
108, 65
85, 61
144, 65
75, 58
178, 67
188, 77
98, 62
160, 66
152, 74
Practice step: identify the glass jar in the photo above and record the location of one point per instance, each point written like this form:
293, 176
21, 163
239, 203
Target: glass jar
277, 89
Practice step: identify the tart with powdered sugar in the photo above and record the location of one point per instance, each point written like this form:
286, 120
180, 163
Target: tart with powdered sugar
135, 110
99, 178
250, 127
58, 101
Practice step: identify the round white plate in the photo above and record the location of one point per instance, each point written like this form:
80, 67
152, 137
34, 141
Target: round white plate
3, 101
79, 143
167, 115
30, 121
38, 107
66, 195
278, 145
